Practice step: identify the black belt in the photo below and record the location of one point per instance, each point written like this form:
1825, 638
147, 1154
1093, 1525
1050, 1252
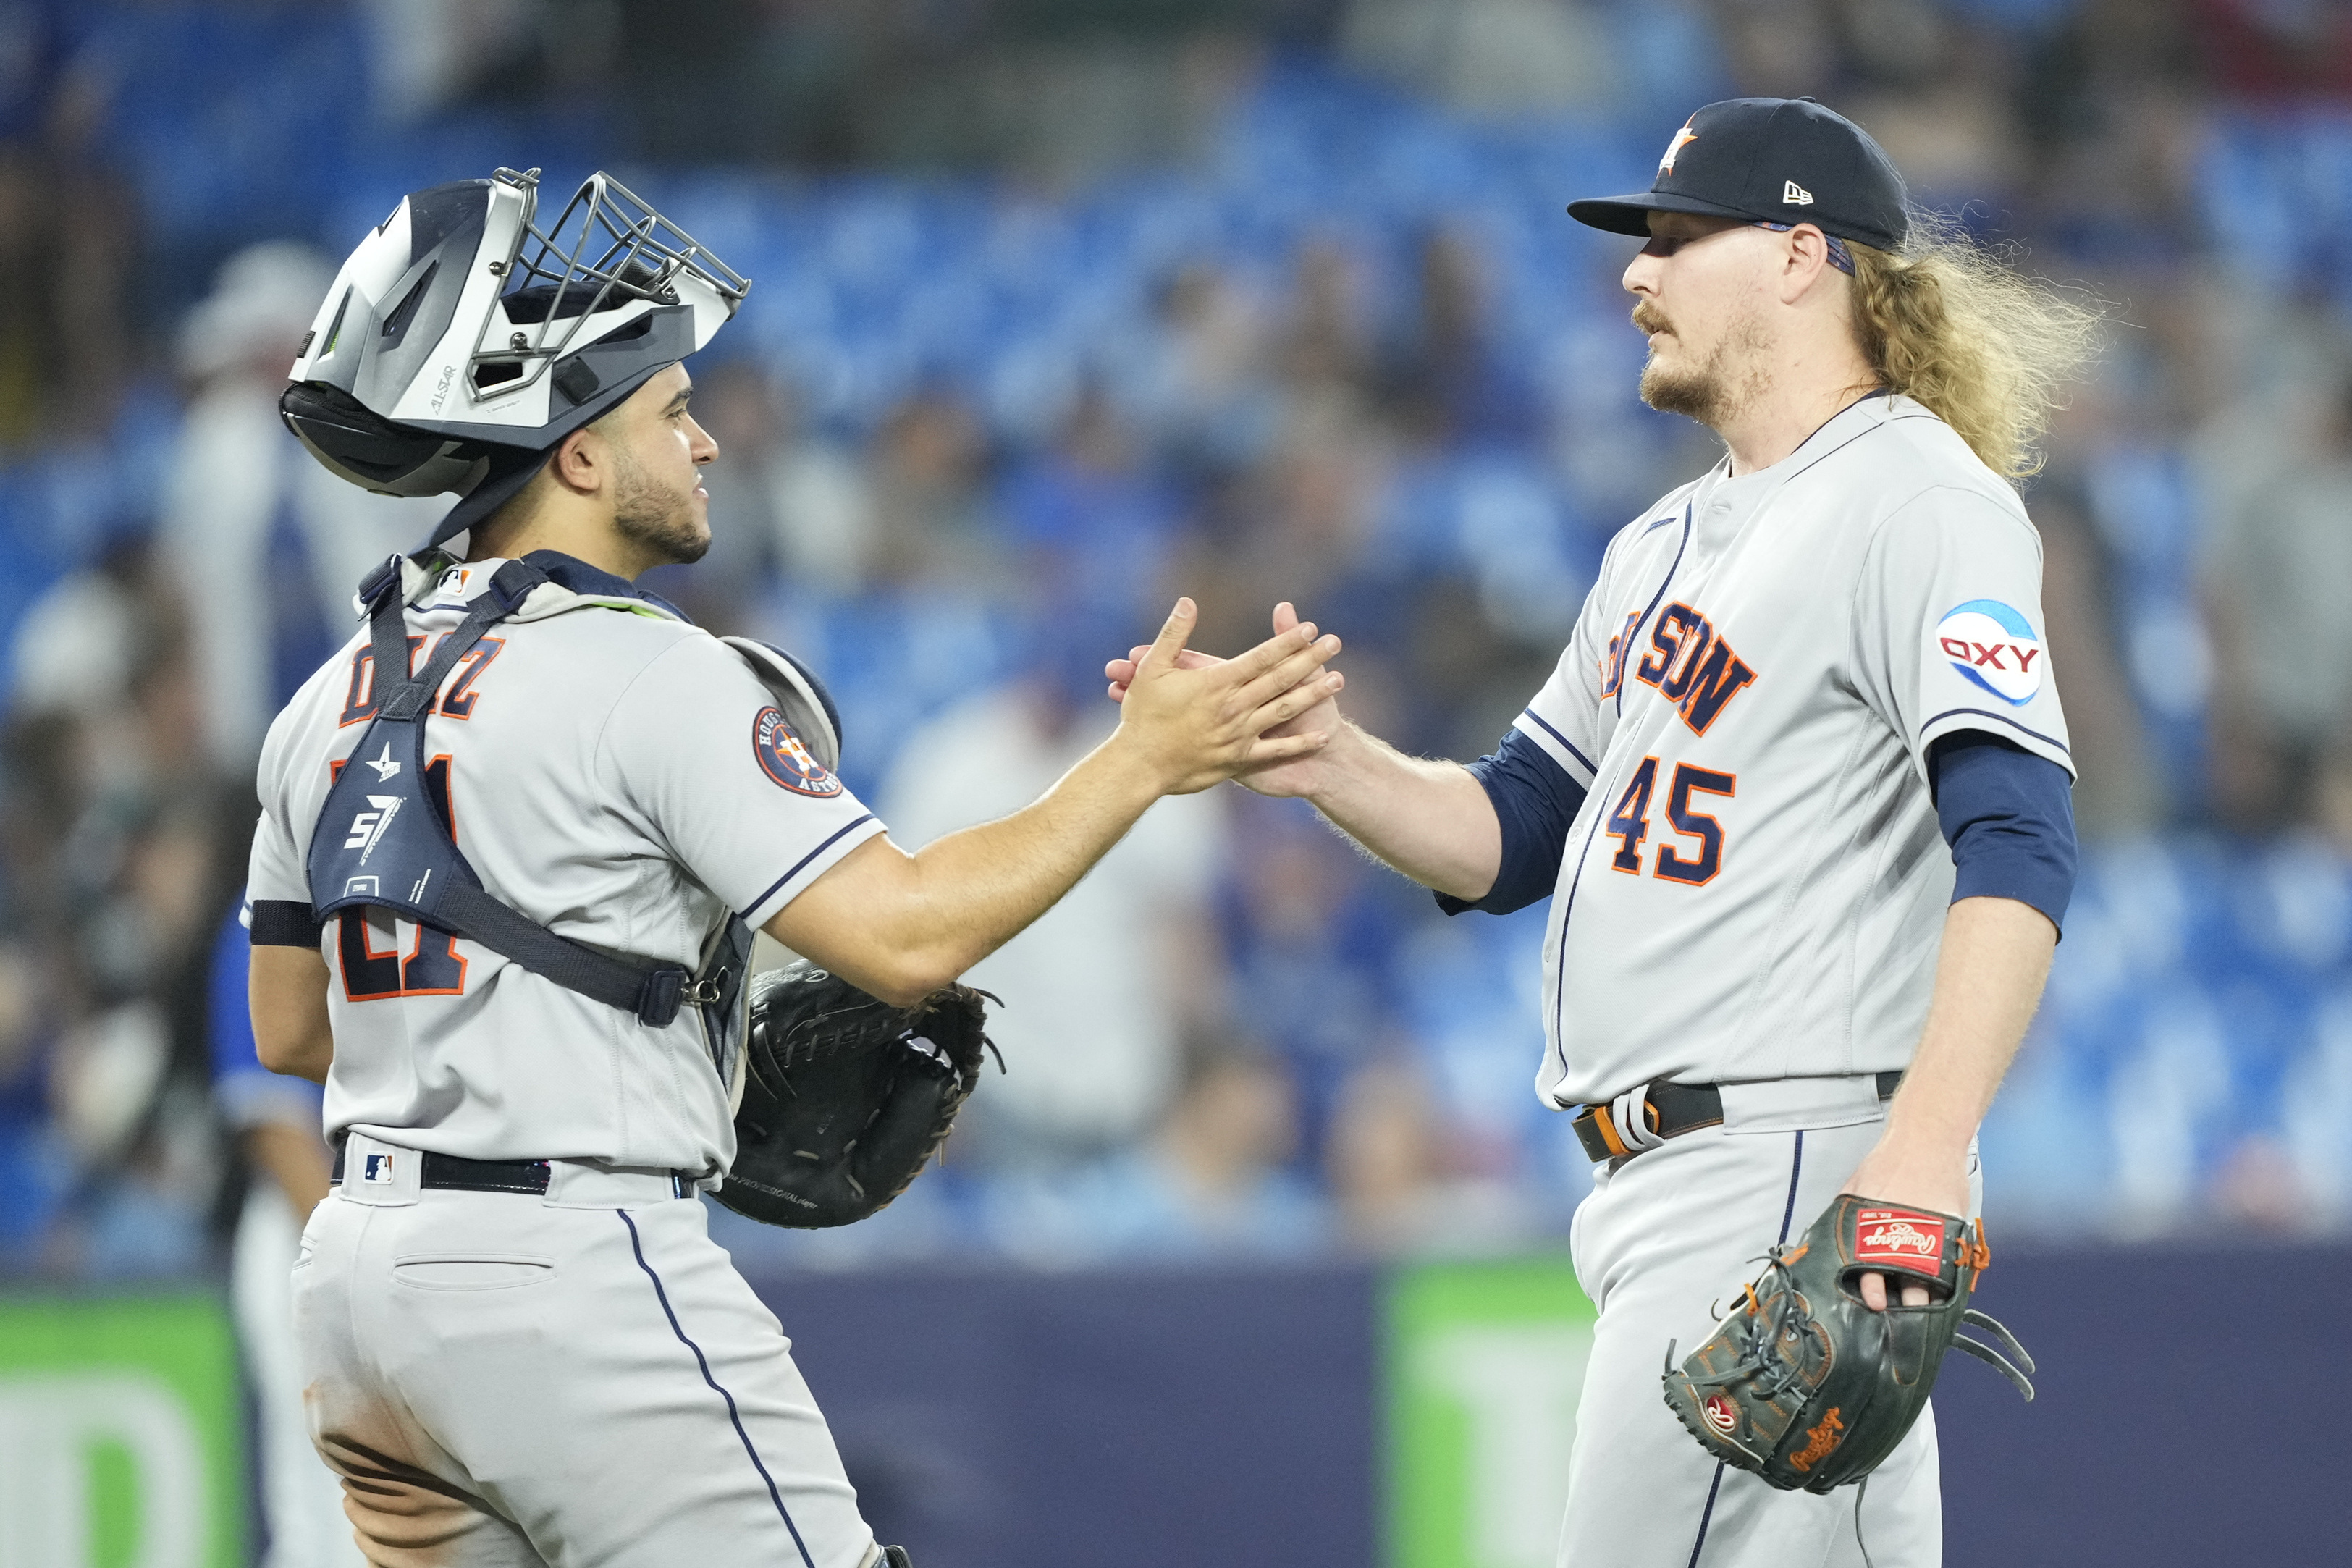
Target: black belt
455, 1174
1672, 1110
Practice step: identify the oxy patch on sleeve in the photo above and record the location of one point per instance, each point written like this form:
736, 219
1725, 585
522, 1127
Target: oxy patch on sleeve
1995, 646
785, 759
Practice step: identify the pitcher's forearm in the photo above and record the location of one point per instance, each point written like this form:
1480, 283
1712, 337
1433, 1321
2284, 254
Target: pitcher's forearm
1988, 979
1428, 819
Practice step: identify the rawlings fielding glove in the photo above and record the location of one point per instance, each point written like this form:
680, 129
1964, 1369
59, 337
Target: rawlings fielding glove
845, 1098
1805, 1385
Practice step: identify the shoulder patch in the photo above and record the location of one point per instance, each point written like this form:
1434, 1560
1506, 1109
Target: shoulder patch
1995, 646
785, 759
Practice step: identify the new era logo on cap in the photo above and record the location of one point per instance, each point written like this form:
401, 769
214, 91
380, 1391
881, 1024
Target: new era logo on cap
1795, 195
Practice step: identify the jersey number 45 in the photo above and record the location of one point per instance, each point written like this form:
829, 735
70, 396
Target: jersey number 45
1629, 823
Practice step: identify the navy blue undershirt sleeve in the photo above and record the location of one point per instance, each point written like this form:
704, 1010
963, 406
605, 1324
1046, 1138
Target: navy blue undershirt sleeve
2009, 816
1535, 801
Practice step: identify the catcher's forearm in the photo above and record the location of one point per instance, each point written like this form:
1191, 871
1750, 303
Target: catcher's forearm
1429, 819
901, 925
1989, 977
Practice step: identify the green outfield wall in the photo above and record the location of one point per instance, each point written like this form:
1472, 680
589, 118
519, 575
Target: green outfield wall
1484, 1366
121, 1433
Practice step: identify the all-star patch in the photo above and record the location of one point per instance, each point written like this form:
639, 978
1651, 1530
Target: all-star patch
785, 759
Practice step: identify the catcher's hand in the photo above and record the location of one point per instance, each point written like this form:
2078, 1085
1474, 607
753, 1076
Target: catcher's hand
845, 1098
1807, 1386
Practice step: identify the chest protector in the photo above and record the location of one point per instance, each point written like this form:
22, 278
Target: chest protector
384, 838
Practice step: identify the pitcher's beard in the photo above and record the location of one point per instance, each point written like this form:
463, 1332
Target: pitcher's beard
661, 521
1732, 379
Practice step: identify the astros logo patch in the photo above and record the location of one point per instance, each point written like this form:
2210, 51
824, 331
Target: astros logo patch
1994, 646
785, 759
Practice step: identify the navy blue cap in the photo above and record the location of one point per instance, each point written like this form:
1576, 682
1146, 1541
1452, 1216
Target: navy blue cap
1769, 160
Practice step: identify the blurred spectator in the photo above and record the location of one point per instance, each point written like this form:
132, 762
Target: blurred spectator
114, 819
1086, 524
33, 1167
2117, 791
1446, 382
1210, 1181
1935, 97
265, 545
931, 522
69, 240
1310, 931
2107, 101
2265, 49
2278, 572
116, 830
1777, 49
1490, 56
1398, 1176
1208, 393
1298, 526
1325, 358
1384, 1155
276, 1122
430, 53
1101, 993
2258, 1189
784, 502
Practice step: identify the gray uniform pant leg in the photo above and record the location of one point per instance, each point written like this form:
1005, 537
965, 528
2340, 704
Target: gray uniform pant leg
1658, 1245
301, 1502
504, 1382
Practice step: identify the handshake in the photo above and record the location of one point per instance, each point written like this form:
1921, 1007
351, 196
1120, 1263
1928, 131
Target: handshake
1195, 719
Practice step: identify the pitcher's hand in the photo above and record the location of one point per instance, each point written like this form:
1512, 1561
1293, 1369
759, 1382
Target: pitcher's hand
1290, 774
1198, 720
1895, 1172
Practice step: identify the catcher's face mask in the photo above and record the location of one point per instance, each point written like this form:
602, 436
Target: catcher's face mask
461, 340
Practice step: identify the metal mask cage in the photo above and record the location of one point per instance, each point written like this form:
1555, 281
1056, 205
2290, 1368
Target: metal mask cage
608, 248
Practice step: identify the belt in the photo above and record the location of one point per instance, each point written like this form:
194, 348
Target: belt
455, 1174
1671, 1109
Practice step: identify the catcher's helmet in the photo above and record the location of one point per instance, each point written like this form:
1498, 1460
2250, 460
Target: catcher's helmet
460, 341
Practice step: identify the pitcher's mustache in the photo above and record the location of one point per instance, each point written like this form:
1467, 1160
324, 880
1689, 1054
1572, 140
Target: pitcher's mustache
1648, 318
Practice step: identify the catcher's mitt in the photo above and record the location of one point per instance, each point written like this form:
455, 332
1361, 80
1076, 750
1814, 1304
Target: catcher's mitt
845, 1098
1808, 1387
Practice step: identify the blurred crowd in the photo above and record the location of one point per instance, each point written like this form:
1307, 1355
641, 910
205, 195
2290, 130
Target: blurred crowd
1324, 337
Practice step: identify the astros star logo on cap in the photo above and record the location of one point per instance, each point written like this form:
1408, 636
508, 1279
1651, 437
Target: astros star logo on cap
1682, 137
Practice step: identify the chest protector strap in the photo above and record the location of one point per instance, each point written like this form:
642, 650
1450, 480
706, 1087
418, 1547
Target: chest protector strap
384, 838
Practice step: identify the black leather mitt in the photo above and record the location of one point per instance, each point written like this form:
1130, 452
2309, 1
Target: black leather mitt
1805, 1385
845, 1098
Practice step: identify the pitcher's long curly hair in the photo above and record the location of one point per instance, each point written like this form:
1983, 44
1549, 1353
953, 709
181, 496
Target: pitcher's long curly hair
1984, 348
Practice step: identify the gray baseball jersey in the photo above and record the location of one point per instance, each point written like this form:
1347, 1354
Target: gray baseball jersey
1755, 885
612, 772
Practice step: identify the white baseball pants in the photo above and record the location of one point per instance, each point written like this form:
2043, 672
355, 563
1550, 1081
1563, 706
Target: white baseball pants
578, 1381
1663, 1241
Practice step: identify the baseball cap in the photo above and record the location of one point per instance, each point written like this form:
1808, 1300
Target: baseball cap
1770, 160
